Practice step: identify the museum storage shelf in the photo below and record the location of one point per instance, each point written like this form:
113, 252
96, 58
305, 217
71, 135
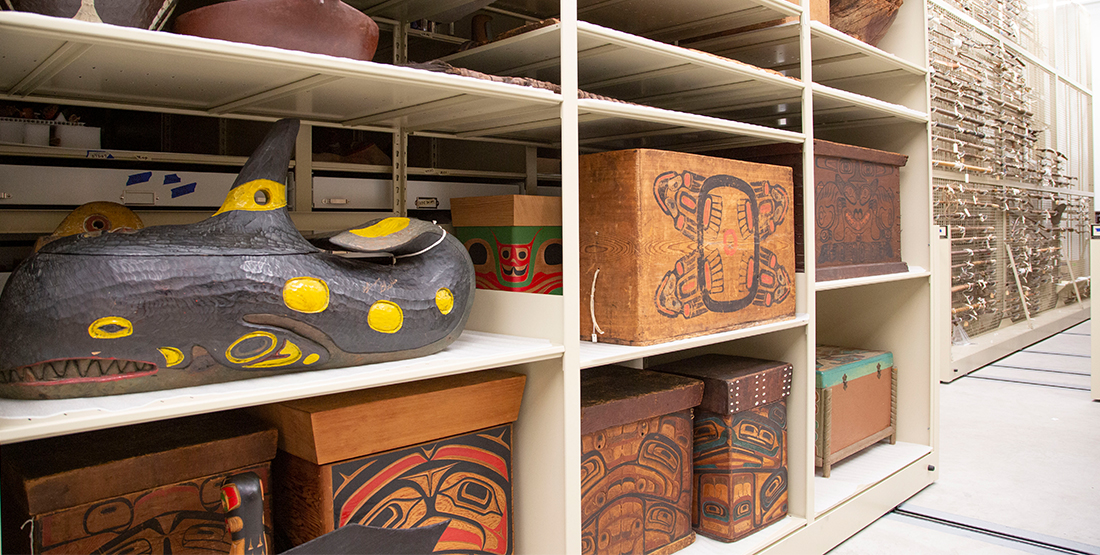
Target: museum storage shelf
552, 352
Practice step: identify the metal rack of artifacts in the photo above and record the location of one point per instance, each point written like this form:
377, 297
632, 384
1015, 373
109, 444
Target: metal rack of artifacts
982, 118
1011, 243
1018, 218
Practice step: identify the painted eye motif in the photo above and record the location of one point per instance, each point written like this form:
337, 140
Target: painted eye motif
110, 327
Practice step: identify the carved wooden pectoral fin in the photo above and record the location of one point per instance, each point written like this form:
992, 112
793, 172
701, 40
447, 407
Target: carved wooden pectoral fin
396, 236
243, 503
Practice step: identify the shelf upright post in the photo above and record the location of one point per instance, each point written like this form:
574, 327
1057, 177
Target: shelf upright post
303, 169
400, 171
802, 407
401, 43
531, 166
570, 186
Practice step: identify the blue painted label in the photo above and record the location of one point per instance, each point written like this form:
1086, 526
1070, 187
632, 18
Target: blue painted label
172, 178
139, 178
183, 190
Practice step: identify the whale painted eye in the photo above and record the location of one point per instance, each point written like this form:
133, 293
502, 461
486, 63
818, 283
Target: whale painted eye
110, 327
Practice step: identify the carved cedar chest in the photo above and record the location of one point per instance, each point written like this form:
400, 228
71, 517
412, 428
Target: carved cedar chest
856, 400
514, 241
147, 488
401, 456
740, 448
636, 461
857, 203
678, 245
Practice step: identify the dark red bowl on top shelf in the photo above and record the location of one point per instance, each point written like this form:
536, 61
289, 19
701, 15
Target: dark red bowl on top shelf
330, 27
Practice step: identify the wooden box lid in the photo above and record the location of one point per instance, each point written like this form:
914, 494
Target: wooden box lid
51, 474
835, 365
615, 395
822, 149
734, 383
343, 426
506, 210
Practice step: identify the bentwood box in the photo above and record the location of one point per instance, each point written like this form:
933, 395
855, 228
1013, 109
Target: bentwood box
636, 460
678, 245
857, 223
401, 456
855, 400
740, 449
147, 488
513, 240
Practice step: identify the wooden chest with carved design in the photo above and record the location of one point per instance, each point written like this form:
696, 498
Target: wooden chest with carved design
146, 488
401, 456
857, 212
636, 461
677, 245
740, 443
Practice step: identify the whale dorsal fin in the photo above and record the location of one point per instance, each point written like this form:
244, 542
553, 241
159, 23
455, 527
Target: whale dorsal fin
396, 236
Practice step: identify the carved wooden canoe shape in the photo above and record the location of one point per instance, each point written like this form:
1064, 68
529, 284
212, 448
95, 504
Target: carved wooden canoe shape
241, 294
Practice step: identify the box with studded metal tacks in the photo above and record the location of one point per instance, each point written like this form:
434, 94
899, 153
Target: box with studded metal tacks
740, 443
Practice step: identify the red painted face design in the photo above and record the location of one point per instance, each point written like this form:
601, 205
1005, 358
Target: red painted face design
515, 261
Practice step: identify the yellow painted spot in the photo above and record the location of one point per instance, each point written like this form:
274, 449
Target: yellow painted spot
385, 227
244, 197
240, 358
445, 300
110, 327
312, 358
306, 294
385, 317
172, 355
289, 354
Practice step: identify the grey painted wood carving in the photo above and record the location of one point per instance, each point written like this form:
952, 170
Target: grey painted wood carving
239, 295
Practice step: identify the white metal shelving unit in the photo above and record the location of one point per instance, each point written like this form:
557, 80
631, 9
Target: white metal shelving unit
676, 94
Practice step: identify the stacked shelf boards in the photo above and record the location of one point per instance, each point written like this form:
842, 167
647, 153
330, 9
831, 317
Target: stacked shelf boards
640, 81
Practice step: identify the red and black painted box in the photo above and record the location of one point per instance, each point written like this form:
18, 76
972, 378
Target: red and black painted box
740, 443
636, 461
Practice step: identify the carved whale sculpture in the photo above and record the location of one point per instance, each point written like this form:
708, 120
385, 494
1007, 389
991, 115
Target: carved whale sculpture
239, 295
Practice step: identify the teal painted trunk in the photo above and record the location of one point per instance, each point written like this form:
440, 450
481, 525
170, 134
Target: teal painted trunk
515, 258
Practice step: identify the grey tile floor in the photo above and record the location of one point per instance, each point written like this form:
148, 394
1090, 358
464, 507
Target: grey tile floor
1019, 460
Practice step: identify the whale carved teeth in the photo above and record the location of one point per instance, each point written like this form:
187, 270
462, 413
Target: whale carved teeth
75, 369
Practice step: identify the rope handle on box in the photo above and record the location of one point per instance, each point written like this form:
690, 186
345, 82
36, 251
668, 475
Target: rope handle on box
31, 522
592, 307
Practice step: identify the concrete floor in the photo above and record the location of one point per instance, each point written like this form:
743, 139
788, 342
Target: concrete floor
1019, 462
